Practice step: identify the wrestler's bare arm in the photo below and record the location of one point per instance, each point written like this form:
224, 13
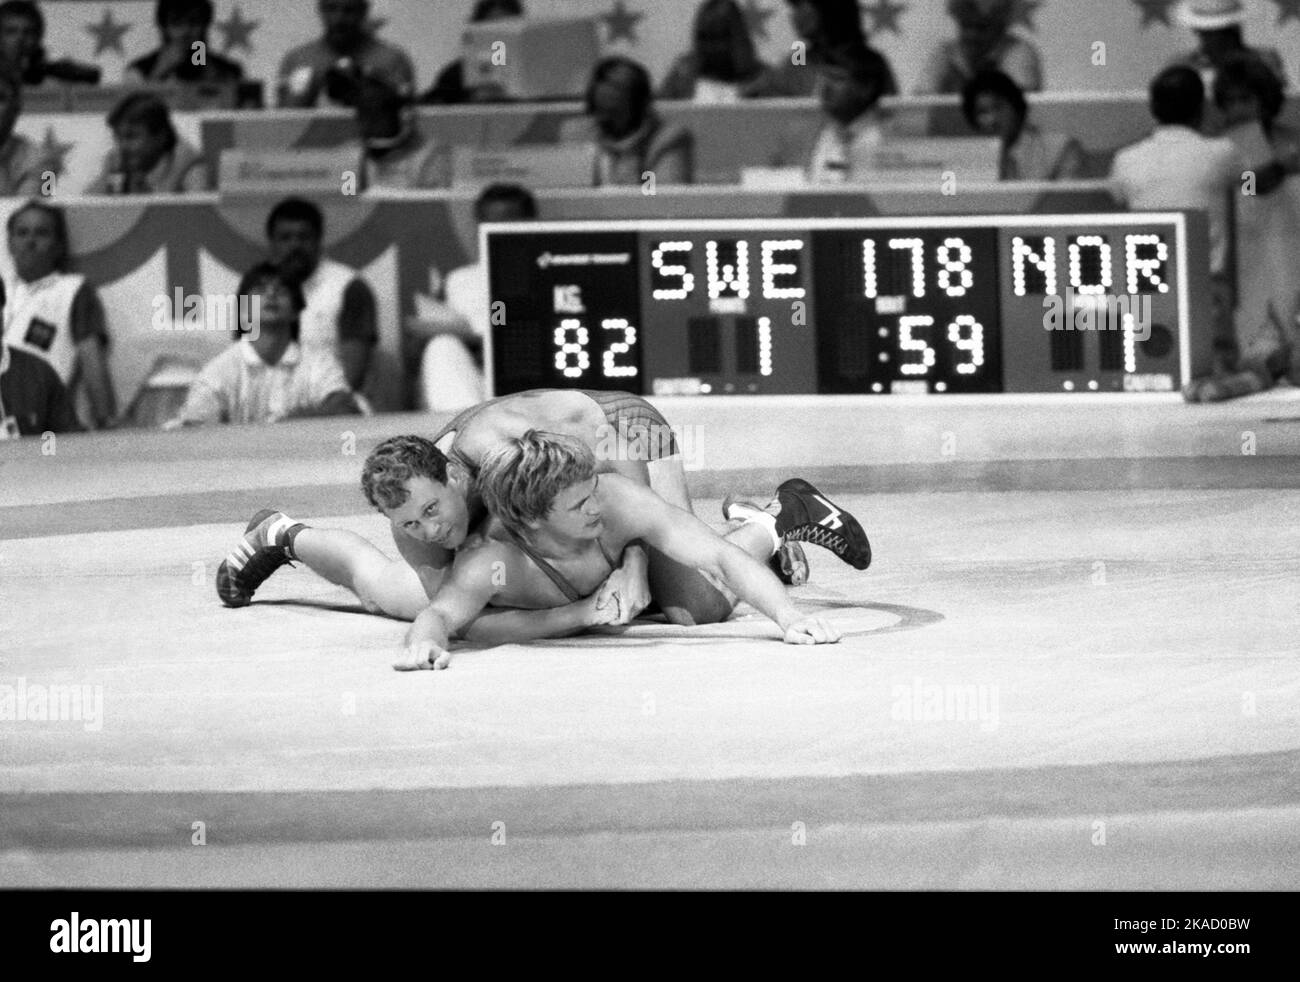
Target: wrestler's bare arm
430, 561
461, 608
631, 511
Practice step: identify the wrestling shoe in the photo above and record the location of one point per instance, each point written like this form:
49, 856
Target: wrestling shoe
788, 562
806, 515
255, 558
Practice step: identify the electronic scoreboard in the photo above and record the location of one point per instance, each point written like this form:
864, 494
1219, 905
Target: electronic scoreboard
958, 304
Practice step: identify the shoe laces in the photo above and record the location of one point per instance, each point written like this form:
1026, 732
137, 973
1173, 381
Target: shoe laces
819, 535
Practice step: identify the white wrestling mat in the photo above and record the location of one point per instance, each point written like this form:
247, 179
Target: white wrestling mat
1074, 664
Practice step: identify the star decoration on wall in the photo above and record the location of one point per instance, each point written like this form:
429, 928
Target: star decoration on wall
1155, 12
54, 154
757, 17
1025, 12
237, 31
108, 34
884, 15
1287, 10
621, 23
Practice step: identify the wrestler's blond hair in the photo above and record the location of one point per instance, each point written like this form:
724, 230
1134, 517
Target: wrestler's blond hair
519, 481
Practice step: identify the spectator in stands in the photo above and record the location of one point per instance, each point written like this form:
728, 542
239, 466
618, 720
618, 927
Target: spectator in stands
313, 71
1176, 167
723, 65
984, 41
56, 315
631, 139
1248, 90
21, 163
453, 329
184, 55
22, 38
995, 106
1179, 168
396, 154
450, 88
839, 146
340, 314
267, 376
1249, 98
1217, 24
148, 157
822, 26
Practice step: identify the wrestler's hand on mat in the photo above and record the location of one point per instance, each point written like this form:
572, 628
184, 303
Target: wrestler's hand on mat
602, 607
422, 656
811, 630
630, 585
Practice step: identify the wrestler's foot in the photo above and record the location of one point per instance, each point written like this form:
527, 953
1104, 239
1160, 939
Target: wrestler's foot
788, 562
808, 516
259, 554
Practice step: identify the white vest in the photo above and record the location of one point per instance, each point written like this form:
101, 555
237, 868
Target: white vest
38, 319
323, 291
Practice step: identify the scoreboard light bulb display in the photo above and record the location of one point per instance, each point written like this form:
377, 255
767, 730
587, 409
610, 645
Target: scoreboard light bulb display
945, 305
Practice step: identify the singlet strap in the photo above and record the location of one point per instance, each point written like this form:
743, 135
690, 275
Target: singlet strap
554, 575
561, 581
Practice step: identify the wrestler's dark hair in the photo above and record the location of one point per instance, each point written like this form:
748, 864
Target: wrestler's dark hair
519, 480
394, 462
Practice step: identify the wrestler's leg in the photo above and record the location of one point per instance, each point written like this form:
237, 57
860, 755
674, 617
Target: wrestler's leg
382, 584
687, 596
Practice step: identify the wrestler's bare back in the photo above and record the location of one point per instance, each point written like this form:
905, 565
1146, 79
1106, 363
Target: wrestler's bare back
550, 410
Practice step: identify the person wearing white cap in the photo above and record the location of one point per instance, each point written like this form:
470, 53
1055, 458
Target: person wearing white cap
1217, 24
984, 42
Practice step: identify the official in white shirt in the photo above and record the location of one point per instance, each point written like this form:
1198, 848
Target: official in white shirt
56, 315
266, 375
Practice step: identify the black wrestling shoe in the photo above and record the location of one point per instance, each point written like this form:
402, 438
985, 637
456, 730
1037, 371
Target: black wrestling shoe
254, 559
808, 516
788, 562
